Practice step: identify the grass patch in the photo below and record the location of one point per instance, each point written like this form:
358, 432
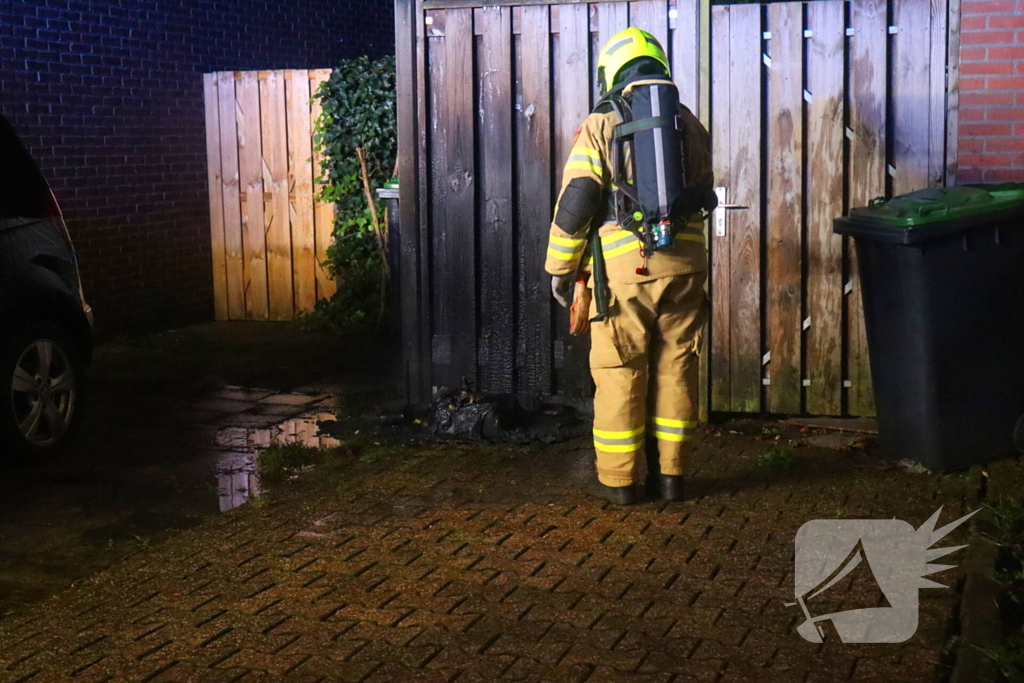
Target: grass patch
378, 452
1008, 516
261, 501
1008, 657
777, 458
369, 449
280, 460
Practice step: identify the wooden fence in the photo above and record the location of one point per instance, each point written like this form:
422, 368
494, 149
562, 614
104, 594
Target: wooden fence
814, 107
269, 231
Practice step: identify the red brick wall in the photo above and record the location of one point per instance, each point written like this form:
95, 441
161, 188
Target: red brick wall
108, 96
991, 140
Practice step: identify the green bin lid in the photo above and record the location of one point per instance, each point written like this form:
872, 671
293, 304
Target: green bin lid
940, 204
925, 214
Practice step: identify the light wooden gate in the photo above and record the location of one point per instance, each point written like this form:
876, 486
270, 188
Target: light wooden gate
816, 107
269, 231
813, 107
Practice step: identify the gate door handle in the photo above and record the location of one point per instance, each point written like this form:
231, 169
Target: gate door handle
723, 206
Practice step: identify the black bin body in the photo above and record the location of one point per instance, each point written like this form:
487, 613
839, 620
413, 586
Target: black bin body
944, 313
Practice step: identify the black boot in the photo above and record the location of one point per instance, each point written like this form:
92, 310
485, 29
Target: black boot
619, 495
671, 487
668, 487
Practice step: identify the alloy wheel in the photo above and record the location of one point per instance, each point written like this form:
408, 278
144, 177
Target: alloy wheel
43, 393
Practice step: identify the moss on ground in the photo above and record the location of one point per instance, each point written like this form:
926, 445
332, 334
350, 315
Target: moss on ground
777, 458
280, 461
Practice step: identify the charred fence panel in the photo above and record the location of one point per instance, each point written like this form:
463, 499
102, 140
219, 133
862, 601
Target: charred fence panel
814, 107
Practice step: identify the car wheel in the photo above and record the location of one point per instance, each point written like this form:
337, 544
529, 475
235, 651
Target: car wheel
40, 391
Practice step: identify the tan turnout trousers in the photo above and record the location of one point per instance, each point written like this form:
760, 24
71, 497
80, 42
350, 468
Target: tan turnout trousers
644, 362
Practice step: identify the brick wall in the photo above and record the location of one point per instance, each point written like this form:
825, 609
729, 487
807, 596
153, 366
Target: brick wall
108, 96
991, 144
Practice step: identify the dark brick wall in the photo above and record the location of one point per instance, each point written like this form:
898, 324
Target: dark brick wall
108, 96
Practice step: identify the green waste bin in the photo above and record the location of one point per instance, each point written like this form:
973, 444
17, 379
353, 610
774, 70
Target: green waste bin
942, 279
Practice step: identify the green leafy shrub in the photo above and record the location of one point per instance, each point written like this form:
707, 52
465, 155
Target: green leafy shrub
358, 102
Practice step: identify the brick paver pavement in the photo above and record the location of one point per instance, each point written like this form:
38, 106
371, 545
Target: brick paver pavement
458, 563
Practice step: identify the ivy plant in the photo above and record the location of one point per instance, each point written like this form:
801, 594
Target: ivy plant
358, 105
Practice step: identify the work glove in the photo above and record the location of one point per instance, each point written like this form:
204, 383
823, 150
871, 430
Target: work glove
560, 285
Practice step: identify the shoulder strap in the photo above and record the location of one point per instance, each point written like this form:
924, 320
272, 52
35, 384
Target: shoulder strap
620, 106
621, 189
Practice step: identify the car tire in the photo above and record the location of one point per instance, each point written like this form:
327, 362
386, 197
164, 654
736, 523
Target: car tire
40, 392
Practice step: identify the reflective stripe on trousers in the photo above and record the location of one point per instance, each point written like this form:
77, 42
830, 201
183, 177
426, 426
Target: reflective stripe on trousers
673, 430
619, 442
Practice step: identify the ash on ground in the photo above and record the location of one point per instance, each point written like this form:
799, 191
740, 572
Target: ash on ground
500, 418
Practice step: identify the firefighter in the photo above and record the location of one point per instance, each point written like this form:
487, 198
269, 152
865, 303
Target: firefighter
644, 351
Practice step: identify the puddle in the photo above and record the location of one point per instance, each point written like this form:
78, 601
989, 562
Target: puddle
238, 462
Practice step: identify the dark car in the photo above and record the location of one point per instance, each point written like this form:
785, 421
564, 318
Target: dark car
45, 324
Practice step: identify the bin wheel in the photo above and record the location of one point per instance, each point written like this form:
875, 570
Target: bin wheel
1018, 434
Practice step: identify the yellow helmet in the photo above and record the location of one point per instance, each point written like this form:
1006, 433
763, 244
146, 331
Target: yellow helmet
624, 47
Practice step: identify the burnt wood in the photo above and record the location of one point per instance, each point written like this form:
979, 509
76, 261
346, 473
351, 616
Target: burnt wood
497, 201
533, 132
453, 256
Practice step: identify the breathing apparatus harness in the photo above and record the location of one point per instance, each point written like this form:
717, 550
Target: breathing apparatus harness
649, 187
648, 177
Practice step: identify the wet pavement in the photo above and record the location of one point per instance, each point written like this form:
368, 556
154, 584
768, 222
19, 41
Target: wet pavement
445, 562
159, 451
239, 449
413, 560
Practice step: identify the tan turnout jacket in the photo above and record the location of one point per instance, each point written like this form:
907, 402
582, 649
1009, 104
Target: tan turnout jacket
591, 157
